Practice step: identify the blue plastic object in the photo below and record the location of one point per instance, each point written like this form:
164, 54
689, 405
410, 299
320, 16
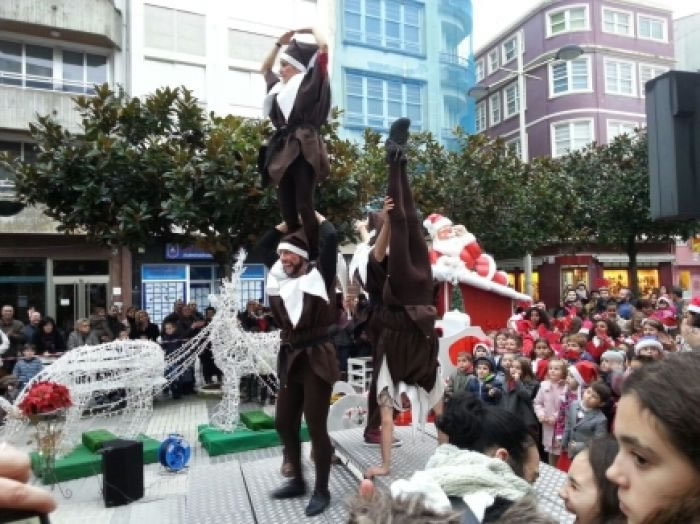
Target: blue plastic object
174, 452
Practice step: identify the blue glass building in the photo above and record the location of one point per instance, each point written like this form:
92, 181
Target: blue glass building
404, 58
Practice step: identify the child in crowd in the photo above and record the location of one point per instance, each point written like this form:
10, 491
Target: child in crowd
543, 354
514, 343
170, 341
578, 377
612, 371
499, 346
502, 370
576, 349
650, 346
28, 367
486, 387
480, 351
519, 391
458, 379
585, 419
599, 340
123, 334
547, 402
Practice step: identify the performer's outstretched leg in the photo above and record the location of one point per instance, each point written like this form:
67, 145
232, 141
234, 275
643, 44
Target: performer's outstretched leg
287, 422
410, 276
305, 183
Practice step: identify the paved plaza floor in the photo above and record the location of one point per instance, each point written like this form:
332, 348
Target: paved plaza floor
235, 488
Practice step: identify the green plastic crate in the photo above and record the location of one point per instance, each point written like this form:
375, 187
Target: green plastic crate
94, 440
218, 442
257, 420
79, 463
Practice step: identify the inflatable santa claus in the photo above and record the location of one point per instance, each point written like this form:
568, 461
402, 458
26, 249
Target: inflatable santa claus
456, 258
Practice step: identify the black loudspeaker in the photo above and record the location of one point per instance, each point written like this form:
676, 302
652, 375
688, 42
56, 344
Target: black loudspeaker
122, 472
673, 122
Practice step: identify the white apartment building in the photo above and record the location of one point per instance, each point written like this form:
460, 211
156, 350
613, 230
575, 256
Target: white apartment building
214, 47
686, 32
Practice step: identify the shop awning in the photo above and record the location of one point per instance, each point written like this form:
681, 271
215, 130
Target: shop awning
643, 259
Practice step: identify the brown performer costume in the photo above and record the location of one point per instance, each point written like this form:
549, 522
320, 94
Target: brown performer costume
295, 157
407, 346
302, 303
372, 281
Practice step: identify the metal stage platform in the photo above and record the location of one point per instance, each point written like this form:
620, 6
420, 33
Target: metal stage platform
235, 488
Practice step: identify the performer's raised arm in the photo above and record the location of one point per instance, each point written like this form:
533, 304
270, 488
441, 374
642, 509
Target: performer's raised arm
382, 243
266, 248
272, 55
328, 254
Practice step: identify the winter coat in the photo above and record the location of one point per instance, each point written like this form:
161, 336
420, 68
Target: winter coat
48, 342
151, 332
479, 480
77, 339
517, 399
458, 382
547, 402
25, 370
15, 332
578, 431
481, 389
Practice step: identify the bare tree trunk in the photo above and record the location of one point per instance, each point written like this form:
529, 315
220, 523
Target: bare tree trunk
632, 254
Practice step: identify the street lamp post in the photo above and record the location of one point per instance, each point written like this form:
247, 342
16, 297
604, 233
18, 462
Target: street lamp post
567, 53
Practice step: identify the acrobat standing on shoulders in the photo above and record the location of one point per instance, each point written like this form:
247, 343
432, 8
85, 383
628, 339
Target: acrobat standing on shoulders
407, 345
298, 102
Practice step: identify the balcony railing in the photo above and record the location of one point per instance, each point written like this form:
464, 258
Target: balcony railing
459, 8
46, 83
451, 58
7, 189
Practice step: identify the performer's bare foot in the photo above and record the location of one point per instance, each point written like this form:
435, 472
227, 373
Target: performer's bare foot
377, 471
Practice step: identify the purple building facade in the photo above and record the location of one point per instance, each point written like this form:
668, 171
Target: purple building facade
569, 104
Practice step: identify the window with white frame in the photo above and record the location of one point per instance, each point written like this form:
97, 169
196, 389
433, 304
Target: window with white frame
162, 73
647, 72
376, 102
619, 127
480, 73
244, 88
42, 67
570, 76
618, 22
174, 30
510, 49
619, 77
571, 136
651, 28
514, 146
574, 18
495, 108
386, 23
493, 61
16, 149
481, 116
511, 100
254, 47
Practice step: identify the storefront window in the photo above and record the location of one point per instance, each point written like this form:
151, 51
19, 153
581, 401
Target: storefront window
571, 276
23, 285
647, 279
535, 285
684, 280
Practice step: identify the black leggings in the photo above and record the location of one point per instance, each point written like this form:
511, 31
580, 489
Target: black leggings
410, 276
307, 393
295, 193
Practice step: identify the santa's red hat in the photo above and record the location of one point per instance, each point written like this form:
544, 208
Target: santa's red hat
694, 306
586, 327
434, 222
584, 372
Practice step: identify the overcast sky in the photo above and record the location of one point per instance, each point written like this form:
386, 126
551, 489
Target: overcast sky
492, 16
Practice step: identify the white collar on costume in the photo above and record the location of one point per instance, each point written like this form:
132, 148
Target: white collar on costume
291, 290
287, 92
359, 262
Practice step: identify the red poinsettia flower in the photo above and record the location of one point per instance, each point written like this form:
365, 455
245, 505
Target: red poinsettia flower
45, 397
